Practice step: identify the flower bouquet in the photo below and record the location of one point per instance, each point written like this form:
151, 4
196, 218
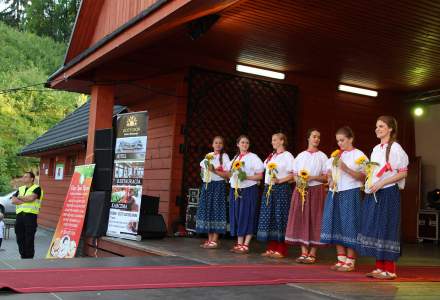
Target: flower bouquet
301, 186
368, 167
272, 169
237, 170
207, 174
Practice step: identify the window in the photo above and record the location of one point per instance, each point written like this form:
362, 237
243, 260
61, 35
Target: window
51, 171
70, 164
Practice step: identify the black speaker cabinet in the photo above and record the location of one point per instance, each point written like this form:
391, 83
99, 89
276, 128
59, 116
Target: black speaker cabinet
152, 227
104, 138
102, 179
98, 209
149, 205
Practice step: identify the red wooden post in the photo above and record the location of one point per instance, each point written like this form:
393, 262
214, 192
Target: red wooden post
100, 116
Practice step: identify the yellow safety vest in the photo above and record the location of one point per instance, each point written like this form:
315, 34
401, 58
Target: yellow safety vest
29, 207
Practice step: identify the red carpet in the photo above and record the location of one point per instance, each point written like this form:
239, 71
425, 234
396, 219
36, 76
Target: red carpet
118, 278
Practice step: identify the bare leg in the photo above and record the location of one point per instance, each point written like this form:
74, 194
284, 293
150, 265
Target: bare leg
248, 239
214, 237
313, 251
304, 250
340, 250
240, 240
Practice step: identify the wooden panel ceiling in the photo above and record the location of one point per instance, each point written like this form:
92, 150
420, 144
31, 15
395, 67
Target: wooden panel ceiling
392, 45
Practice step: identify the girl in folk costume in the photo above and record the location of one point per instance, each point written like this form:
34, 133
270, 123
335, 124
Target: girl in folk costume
276, 198
305, 216
246, 169
342, 209
379, 236
211, 212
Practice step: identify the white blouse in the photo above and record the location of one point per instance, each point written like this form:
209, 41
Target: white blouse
216, 163
345, 181
252, 165
313, 162
398, 161
284, 163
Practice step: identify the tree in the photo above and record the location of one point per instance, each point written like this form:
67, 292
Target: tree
25, 114
14, 12
53, 18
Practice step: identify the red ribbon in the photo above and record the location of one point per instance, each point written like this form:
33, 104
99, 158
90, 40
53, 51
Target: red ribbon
385, 168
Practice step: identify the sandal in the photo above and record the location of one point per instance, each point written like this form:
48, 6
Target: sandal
301, 258
309, 260
212, 245
374, 272
277, 254
268, 253
235, 248
385, 275
346, 267
244, 249
205, 243
337, 265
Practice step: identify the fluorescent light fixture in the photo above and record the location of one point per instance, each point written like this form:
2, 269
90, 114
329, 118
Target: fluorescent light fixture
356, 90
260, 72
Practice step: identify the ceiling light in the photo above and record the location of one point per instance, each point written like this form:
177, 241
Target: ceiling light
356, 90
260, 72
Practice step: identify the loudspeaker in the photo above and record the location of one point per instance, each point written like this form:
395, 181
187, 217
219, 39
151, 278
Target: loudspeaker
102, 179
104, 138
149, 205
98, 209
152, 227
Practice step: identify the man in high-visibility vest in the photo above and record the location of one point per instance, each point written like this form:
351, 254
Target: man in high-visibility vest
28, 201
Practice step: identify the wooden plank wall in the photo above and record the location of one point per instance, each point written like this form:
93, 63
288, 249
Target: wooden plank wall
114, 14
55, 190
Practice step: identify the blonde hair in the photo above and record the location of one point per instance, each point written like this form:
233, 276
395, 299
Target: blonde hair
282, 137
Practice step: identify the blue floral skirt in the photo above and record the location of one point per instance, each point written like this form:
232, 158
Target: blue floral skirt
211, 212
380, 229
242, 211
274, 213
341, 220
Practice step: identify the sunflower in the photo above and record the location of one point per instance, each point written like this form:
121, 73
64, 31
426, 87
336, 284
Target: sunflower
237, 165
336, 153
271, 166
209, 156
304, 174
361, 160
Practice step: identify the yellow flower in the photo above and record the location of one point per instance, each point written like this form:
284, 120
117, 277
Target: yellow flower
361, 160
272, 166
209, 156
304, 174
237, 165
336, 153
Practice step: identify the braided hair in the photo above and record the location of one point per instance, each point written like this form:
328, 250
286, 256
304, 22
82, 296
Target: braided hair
391, 123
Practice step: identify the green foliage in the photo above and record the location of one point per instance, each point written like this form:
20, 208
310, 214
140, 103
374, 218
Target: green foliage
13, 12
26, 59
53, 18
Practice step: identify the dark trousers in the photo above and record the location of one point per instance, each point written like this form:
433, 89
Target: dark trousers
1, 240
25, 229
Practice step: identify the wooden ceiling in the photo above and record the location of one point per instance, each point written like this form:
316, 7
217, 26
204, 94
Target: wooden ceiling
388, 45
384, 45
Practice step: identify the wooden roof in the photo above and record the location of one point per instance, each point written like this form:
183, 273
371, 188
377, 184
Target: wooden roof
71, 130
385, 45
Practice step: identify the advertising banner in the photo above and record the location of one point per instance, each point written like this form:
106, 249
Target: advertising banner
68, 232
128, 173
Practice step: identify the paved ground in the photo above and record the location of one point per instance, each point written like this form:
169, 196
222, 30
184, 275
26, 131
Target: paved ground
185, 251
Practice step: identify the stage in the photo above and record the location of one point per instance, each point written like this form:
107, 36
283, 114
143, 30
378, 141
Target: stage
175, 254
